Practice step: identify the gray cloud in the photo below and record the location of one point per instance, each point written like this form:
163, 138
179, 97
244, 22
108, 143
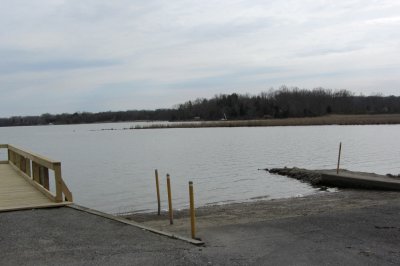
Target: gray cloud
14, 62
321, 51
148, 54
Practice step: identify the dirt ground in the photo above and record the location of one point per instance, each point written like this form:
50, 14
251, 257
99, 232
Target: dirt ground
343, 228
250, 212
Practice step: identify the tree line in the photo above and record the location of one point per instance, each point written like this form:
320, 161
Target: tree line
282, 103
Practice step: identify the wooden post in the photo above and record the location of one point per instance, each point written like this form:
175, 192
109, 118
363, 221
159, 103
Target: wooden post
28, 167
44, 177
11, 156
35, 172
18, 161
170, 211
58, 179
192, 214
158, 193
338, 162
23, 164
67, 192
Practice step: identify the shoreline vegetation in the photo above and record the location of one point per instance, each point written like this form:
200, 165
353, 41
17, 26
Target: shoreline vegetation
384, 119
296, 106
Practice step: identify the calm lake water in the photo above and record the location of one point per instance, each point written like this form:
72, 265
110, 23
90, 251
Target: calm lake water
113, 170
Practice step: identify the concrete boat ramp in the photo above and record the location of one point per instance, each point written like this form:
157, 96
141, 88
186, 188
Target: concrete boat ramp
352, 179
344, 178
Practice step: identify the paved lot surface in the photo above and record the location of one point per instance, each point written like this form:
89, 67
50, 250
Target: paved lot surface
367, 236
64, 236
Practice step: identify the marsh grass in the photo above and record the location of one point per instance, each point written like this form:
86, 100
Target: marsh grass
304, 121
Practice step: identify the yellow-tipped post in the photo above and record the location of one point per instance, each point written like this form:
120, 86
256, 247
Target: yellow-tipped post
192, 213
158, 193
338, 162
170, 211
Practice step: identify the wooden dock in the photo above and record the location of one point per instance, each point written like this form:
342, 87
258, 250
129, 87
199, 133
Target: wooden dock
25, 181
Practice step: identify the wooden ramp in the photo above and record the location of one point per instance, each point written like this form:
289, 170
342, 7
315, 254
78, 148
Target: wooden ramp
19, 189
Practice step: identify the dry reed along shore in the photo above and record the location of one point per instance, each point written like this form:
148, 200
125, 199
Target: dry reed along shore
380, 119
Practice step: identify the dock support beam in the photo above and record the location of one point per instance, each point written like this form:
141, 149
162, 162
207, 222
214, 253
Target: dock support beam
57, 175
158, 193
170, 211
338, 162
192, 214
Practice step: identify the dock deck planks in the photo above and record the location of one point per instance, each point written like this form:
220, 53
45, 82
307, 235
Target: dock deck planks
16, 193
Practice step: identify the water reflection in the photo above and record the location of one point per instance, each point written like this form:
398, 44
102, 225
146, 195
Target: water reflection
113, 170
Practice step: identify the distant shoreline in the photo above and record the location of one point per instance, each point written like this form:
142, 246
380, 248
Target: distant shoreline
381, 119
375, 119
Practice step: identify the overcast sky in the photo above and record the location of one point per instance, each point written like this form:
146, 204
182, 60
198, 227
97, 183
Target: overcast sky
93, 55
